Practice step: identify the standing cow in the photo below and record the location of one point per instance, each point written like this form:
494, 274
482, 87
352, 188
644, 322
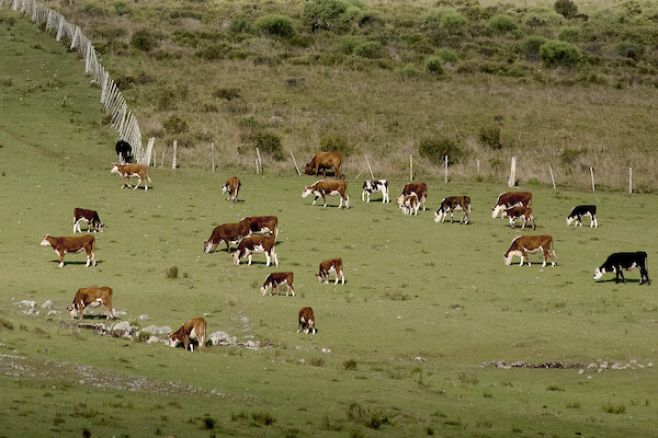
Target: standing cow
452, 204
195, 328
276, 279
373, 186
256, 244
129, 170
323, 161
73, 244
231, 188
409, 204
510, 199
419, 189
228, 233
579, 211
90, 217
91, 297
306, 321
324, 188
522, 245
619, 261
525, 214
124, 151
330, 266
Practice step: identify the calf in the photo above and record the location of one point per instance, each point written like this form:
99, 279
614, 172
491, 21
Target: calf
450, 205
124, 151
195, 328
523, 213
330, 266
129, 170
583, 210
373, 186
276, 279
323, 161
231, 188
409, 204
90, 217
91, 297
619, 261
306, 321
322, 188
510, 199
73, 244
256, 244
522, 245
420, 189
228, 233
258, 224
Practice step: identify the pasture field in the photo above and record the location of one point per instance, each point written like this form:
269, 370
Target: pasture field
400, 348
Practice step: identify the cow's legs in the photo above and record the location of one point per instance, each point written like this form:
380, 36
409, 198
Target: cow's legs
342, 277
324, 199
249, 259
275, 258
61, 258
267, 259
291, 290
340, 205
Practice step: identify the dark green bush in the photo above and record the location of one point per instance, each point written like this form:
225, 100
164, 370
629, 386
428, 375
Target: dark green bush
334, 15
333, 142
121, 8
571, 34
227, 93
490, 137
434, 65
447, 56
531, 45
240, 25
444, 23
212, 53
559, 53
276, 25
408, 71
268, 143
436, 148
348, 43
502, 23
630, 50
175, 125
144, 40
370, 50
566, 8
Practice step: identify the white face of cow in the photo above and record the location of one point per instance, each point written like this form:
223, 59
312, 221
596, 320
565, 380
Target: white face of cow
510, 255
307, 191
497, 210
173, 342
72, 311
45, 242
570, 220
224, 188
115, 169
598, 273
400, 201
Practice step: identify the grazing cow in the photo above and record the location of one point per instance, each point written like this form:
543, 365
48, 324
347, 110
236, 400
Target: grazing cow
231, 188
524, 213
420, 189
450, 205
258, 224
373, 186
256, 244
330, 266
195, 328
90, 217
276, 279
583, 210
522, 245
323, 188
323, 161
409, 204
228, 233
306, 321
619, 261
128, 170
73, 244
124, 151
510, 199
91, 297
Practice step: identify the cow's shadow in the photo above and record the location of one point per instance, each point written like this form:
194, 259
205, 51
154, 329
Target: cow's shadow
628, 280
76, 262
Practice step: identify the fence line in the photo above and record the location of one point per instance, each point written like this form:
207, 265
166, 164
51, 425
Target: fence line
112, 100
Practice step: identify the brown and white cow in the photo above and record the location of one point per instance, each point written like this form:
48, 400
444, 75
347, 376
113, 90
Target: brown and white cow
420, 189
525, 214
231, 188
254, 245
195, 328
228, 233
90, 217
91, 297
258, 224
324, 188
72, 244
129, 170
522, 245
323, 161
276, 279
330, 266
450, 205
409, 204
510, 199
306, 321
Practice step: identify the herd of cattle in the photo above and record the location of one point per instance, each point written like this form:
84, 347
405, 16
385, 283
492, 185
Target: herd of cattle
257, 234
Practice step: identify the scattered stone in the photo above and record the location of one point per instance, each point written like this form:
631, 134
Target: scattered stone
155, 330
220, 338
143, 317
120, 313
326, 350
123, 328
419, 359
244, 320
252, 345
52, 312
27, 303
47, 305
153, 340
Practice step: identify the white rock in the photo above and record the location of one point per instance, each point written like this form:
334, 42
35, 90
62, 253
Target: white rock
153, 340
244, 320
120, 313
326, 350
165, 330
47, 305
419, 359
121, 328
252, 345
53, 312
222, 338
143, 317
27, 303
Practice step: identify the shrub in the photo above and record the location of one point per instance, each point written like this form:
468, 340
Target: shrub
240, 25
434, 149
348, 43
434, 65
611, 408
559, 53
566, 8
316, 361
262, 418
226, 93
447, 56
570, 34
144, 40
502, 23
268, 143
447, 20
212, 53
334, 142
335, 15
349, 364
172, 272
630, 50
408, 71
490, 137
277, 25
531, 45
175, 125
370, 50
209, 423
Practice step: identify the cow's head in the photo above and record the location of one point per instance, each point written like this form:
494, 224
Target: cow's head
438, 214
509, 255
598, 273
174, 339
571, 219
73, 310
115, 168
225, 188
309, 169
99, 226
369, 186
496, 210
400, 201
307, 191
45, 242
264, 288
207, 246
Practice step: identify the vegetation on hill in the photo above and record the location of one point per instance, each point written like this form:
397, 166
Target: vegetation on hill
552, 77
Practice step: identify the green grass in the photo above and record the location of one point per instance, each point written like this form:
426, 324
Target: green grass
424, 305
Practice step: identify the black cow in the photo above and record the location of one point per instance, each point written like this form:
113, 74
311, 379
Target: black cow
619, 261
124, 151
583, 210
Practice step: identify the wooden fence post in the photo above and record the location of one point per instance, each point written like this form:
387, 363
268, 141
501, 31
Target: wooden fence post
512, 175
411, 167
477, 165
260, 162
155, 158
149, 152
550, 169
212, 155
173, 160
630, 180
295, 163
591, 173
445, 169
372, 175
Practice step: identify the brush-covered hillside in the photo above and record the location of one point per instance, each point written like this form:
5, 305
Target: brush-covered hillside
571, 84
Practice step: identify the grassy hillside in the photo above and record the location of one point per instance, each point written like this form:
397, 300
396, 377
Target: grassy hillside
478, 81
401, 345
